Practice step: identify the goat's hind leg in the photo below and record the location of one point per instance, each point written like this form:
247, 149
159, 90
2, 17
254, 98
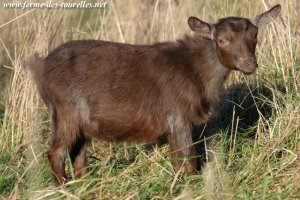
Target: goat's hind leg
56, 157
64, 139
78, 155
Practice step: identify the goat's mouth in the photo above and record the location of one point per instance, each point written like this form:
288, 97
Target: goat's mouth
247, 65
247, 69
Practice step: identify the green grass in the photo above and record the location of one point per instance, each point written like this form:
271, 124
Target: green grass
8, 176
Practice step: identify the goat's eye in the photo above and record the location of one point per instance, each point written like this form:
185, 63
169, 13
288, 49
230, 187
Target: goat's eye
222, 41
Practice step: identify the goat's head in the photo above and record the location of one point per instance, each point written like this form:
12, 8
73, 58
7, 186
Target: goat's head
235, 38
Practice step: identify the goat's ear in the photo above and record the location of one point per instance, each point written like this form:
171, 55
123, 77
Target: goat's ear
266, 17
203, 28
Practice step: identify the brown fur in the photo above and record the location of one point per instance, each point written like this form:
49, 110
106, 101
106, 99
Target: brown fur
121, 92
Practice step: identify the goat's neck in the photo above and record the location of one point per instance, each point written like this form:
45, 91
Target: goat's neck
207, 66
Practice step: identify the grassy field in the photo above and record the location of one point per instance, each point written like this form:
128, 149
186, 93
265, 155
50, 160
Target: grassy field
253, 148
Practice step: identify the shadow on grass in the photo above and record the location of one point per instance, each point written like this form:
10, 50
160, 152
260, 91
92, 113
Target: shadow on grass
244, 104
240, 110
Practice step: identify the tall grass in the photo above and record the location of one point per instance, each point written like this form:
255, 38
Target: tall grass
253, 152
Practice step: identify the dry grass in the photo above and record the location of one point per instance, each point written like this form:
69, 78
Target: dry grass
257, 160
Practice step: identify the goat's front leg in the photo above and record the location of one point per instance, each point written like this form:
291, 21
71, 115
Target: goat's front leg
182, 149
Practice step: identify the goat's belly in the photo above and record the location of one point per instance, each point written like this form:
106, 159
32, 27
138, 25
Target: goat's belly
120, 131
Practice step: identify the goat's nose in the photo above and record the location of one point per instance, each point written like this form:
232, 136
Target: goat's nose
251, 61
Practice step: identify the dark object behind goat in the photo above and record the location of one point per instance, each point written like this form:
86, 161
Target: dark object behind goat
122, 92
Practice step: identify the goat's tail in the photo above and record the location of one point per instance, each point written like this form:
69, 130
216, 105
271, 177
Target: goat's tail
34, 68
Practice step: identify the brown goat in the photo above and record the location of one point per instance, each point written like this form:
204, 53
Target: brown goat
122, 92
